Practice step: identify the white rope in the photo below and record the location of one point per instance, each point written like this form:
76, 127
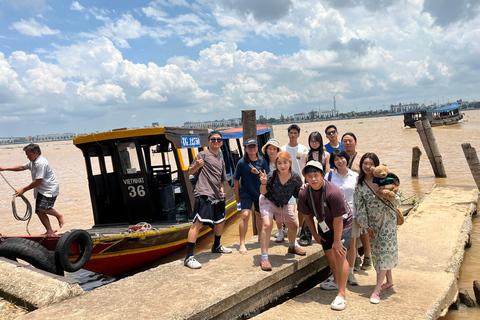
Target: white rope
140, 227
28, 212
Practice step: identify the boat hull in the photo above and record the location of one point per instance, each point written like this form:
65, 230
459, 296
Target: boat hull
117, 250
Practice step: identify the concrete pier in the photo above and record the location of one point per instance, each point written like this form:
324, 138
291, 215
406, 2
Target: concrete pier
431, 248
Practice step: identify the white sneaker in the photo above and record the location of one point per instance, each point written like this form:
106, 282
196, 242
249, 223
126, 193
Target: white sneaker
330, 277
329, 285
221, 249
192, 263
352, 280
279, 237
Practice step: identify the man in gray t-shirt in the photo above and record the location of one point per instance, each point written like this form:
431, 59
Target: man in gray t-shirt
44, 183
209, 197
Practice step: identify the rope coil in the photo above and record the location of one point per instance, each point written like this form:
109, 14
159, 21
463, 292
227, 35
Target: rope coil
28, 212
140, 227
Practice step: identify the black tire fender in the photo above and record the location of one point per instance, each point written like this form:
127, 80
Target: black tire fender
30, 251
84, 241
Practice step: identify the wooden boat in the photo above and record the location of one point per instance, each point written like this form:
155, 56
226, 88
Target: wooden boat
141, 195
437, 117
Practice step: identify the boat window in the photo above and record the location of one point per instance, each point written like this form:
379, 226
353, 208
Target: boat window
163, 165
96, 165
128, 157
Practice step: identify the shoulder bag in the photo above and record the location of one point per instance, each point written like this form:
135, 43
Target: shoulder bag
400, 217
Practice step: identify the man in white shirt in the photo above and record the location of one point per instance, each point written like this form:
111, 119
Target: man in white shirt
45, 185
297, 152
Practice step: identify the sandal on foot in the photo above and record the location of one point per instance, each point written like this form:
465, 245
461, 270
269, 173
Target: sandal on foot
375, 298
265, 265
243, 251
339, 304
387, 286
329, 285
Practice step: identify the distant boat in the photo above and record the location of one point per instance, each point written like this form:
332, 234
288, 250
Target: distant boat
437, 117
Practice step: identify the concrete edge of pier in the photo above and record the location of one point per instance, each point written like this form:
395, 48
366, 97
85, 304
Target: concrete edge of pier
33, 288
454, 264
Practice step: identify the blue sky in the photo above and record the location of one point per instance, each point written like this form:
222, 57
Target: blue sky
86, 66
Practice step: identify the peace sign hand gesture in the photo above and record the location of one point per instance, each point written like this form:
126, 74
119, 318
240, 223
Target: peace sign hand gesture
263, 177
254, 170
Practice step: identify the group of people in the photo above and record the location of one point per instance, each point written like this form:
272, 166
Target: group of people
330, 182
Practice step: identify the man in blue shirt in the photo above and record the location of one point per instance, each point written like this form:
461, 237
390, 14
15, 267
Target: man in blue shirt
332, 135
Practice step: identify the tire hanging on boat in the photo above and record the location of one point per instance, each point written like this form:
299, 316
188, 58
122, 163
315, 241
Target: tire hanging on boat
84, 241
30, 251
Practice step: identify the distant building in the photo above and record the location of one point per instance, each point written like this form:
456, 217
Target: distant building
55, 137
300, 116
235, 122
404, 107
330, 114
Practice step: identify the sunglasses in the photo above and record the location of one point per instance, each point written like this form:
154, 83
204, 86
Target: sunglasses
216, 139
331, 132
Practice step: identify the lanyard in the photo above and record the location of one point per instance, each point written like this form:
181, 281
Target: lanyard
351, 161
321, 201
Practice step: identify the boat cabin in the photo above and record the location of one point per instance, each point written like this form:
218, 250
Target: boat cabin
437, 117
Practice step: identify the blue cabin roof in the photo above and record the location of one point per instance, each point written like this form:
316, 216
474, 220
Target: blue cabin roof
446, 108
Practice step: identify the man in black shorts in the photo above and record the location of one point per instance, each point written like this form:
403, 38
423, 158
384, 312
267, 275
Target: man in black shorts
325, 200
45, 185
209, 197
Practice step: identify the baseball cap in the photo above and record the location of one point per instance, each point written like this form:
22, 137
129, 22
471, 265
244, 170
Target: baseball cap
251, 141
313, 163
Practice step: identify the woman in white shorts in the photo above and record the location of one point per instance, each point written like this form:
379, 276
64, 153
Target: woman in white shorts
276, 190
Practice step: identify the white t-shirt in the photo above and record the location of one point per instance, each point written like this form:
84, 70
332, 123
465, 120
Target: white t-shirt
41, 169
296, 153
347, 185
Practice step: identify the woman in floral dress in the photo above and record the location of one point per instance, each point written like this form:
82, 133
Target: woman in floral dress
381, 223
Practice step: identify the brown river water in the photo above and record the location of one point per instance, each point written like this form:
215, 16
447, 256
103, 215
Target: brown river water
385, 136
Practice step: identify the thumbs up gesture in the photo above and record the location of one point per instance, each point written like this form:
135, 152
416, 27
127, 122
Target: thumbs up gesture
198, 162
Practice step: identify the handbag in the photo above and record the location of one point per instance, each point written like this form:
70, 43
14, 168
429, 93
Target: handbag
400, 216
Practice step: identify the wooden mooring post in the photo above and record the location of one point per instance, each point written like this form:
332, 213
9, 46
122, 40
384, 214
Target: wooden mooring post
473, 163
416, 153
249, 121
430, 145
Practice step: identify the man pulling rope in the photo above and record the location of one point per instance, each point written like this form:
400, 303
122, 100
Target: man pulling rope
45, 185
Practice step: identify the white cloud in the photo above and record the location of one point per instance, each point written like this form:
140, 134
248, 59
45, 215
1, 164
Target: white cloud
9, 119
33, 28
104, 94
76, 6
92, 59
151, 95
10, 87
123, 29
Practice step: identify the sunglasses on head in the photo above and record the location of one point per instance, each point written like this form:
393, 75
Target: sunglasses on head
216, 139
331, 132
